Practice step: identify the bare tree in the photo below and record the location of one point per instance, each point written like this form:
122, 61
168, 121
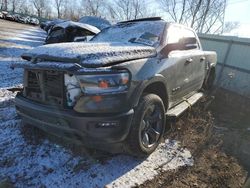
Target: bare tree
47, 12
124, 9
58, 6
26, 7
177, 10
129, 9
15, 5
94, 7
212, 21
39, 5
71, 9
112, 13
229, 26
204, 16
4, 5
139, 9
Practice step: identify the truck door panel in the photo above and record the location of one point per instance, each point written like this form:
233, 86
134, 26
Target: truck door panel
194, 69
176, 76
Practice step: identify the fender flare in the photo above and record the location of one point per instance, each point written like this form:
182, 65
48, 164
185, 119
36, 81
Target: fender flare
144, 84
211, 66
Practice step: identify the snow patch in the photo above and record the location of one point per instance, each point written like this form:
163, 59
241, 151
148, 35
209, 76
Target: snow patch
6, 98
52, 165
15, 46
168, 156
91, 53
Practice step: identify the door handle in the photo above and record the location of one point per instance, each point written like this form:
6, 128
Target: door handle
188, 61
202, 59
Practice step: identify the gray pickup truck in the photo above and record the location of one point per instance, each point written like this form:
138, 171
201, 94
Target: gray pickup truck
116, 91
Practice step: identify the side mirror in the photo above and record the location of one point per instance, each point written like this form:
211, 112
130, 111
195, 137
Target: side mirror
132, 40
189, 43
169, 48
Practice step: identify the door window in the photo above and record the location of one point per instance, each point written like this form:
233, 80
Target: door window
174, 35
187, 33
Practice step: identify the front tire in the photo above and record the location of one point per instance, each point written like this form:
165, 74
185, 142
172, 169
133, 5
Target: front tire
148, 126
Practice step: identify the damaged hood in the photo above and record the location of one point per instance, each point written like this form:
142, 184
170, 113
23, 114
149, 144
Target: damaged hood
79, 25
89, 54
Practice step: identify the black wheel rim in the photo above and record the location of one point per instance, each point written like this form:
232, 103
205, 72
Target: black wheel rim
151, 126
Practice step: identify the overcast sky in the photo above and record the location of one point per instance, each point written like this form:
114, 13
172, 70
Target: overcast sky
238, 10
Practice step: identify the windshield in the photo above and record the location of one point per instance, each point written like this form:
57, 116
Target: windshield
146, 33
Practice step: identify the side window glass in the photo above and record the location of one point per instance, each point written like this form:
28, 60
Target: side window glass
174, 35
179, 38
189, 34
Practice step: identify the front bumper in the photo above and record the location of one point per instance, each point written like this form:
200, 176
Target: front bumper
77, 126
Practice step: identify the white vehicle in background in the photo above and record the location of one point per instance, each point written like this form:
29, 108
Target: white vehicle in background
19, 18
27, 19
4, 14
70, 31
9, 17
22, 19
34, 21
1, 15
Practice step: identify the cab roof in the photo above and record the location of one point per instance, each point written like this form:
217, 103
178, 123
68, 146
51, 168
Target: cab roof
142, 19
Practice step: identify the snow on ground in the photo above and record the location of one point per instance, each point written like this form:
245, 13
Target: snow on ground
29, 160
12, 46
50, 165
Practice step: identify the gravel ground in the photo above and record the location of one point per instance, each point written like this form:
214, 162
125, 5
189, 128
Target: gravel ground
15, 39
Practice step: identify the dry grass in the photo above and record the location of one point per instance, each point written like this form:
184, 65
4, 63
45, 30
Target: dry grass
212, 167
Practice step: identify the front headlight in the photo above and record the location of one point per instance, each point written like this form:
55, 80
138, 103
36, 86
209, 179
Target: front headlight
104, 83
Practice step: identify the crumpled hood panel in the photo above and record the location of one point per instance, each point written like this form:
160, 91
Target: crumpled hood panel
90, 54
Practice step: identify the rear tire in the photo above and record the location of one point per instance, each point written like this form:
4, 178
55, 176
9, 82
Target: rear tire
148, 126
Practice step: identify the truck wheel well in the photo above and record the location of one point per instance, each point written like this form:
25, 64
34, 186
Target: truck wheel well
158, 88
209, 80
213, 70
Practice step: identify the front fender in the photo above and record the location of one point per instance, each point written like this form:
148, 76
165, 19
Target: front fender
144, 84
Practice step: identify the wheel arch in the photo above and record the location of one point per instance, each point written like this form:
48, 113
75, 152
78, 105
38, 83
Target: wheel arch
157, 85
210, 72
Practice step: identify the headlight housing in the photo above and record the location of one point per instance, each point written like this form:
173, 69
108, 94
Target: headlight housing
104, 83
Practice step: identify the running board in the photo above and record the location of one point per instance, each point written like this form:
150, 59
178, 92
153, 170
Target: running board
180, 108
